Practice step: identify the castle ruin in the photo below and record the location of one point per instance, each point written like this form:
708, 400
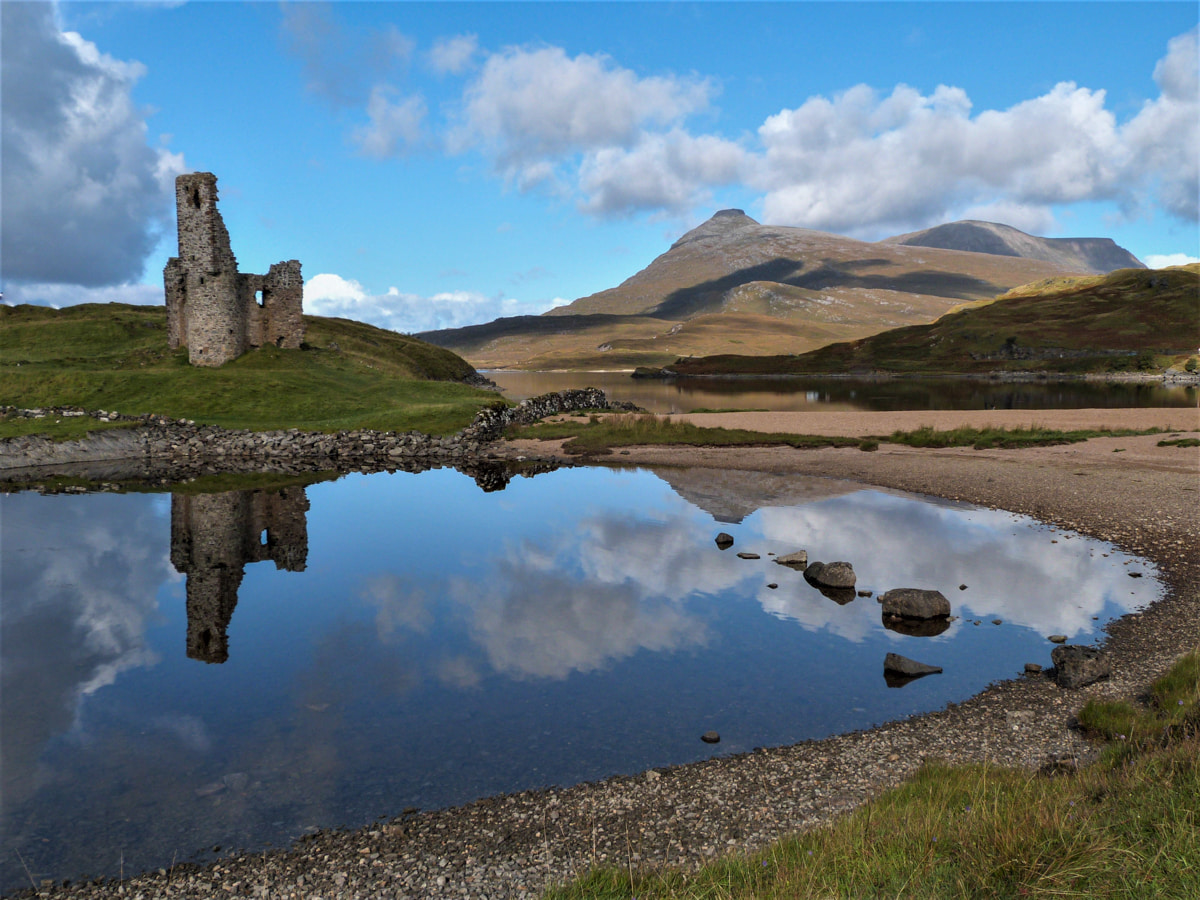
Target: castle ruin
212, 309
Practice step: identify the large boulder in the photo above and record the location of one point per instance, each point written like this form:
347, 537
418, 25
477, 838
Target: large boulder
914, 603
831, 575
1076, 665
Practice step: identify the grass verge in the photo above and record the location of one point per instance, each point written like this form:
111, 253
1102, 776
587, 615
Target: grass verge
1125, 827
599, 434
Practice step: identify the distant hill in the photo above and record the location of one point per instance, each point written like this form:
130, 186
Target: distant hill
347, 375
1094, 255
1130, 319
732, 284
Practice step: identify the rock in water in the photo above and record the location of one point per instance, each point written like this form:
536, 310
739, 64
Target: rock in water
915, 603
724, 541
833, 575
797, 560
710, 737
745, 555
1076, 665
900, 670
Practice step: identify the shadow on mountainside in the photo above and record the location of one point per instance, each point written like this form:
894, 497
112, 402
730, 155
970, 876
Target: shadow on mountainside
707, 297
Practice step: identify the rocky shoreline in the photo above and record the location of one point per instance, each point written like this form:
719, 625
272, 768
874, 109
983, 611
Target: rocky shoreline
181, 444
513, 846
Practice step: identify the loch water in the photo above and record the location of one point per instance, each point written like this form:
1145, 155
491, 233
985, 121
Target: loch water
810, 394
186, 673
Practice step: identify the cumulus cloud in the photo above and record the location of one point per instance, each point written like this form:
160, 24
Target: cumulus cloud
327, 294
1163, 140
1163, 260
530, 107
453, 55
863, 162
395, 126
85, 197
674, 171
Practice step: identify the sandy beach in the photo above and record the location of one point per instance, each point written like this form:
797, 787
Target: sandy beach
1129, 491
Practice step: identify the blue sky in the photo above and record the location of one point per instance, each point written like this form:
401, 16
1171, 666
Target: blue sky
437, 164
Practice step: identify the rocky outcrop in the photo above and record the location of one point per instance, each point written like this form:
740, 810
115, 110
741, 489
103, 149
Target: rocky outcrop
1076, 666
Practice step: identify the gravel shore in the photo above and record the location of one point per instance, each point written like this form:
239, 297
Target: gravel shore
1128, 491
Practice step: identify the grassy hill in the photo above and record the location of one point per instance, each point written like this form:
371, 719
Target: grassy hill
1128, 320
349, 375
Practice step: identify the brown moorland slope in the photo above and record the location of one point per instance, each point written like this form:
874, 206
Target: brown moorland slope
734, 285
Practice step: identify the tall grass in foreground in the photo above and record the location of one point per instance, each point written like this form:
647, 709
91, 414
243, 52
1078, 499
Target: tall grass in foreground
1126, 827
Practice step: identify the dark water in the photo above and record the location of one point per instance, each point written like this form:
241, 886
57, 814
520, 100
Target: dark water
798, 394
179, 673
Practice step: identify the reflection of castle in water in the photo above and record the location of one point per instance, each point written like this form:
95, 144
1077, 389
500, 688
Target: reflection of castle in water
214, 536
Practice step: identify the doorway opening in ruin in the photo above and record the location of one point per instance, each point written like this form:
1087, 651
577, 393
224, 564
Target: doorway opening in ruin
196, 197
258, 298
263, 538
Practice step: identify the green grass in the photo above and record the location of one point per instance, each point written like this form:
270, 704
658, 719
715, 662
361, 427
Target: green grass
56, 429
1125, 827
599, 434
1180, 442
349, 375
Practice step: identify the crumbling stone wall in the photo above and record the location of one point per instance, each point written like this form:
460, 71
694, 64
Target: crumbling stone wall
214, 536
212, 309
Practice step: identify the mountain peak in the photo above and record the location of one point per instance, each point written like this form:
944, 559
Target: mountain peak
723, 222
1093, 255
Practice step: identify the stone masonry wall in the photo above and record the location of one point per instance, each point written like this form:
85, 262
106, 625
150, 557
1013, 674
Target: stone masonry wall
212, 309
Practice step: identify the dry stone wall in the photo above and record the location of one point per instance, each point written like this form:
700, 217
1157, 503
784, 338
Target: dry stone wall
212, 309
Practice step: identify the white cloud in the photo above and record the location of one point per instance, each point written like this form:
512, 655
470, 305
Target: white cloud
453, 55
673, 171
60, 295
529, 107
1163, 140
1162, 260
85, 198
327, 294
860, 163
394, 127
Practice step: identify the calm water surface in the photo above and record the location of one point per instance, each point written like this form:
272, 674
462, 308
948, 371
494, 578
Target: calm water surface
185, 673
800, 394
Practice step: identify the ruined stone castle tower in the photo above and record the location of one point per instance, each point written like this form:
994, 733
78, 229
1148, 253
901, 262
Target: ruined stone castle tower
212, 309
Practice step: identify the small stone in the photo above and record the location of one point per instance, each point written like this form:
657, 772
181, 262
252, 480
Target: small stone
710, 737
797, 560
1057, 639
893, 757
997, 621
724, 541
772, 585
744, 555
1032, 668
962, 587
865, 593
